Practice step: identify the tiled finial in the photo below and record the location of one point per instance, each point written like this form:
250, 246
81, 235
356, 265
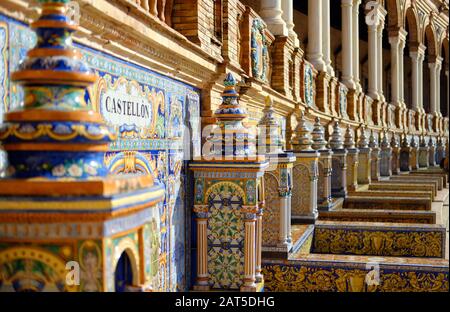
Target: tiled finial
430, 142
405, 141
394, 142
336, 137
422, 141
363, 142
302, 140
413, 142
318, 136
233, 138
230, 108
349, 141
384, 142
439, 141
373, 143
269, 134
55, 78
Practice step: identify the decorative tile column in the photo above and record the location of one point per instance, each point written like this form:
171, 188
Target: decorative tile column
414, 156
405, 151
365, 158
432, 152
385, 157
276, 229
375, 156
324, 199
424, 151
395, 146
305, 175
352, 160
339, 163
228, 188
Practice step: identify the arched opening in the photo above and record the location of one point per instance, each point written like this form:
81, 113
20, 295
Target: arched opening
430, 56
123, 275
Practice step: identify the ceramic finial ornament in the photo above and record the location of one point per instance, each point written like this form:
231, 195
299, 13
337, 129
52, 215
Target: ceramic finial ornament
430, 142
336, 137
349, 141
65, 138
373, 143
318, 136
363, 142
384, 142
269, 130
405, 141
423, 143
413, 142
302, 140
233, 139
394, 142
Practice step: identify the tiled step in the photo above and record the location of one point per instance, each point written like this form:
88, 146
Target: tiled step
423, 178
403, 187
379, 239
412, 183
431, 173
379, 215
396, 194
390, 203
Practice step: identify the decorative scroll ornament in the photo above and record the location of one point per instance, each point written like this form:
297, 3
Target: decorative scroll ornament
363, 142
269, 134
302, 139
231, 138
373, 143
336, 137
349, 138
318, 136
56, 128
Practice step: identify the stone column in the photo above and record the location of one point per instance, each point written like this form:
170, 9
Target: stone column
305, 175
352, 160
375, 155
364, 169
288, 17
339, 163
438, 85
271, 13
380, 59
395, 71
355, 41
435, 69
417, 56
421, 59
259, 227
402, 36
315, 33
326, 41
373, 62
347, 43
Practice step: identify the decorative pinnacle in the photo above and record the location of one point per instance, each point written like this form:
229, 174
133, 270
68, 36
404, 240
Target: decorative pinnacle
373, 143
394, 142
349, 138
413, 142
230, 109
405, 141
430, 142
363, 142
318, 136
269, 130
336, 137
302, 140
439, 141
385, 143
422, 141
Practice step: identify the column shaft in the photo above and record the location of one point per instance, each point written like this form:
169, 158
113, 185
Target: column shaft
395, 69
373, 62
315, 33
271, 13
347, 43
249, 254
415, 80
326, 41
355, 41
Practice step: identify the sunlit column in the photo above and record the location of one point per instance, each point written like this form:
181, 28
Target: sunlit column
347, 43
355, 41
315, 32
326, 41
271, 13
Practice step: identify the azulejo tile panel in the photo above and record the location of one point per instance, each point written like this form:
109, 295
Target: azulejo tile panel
151, 113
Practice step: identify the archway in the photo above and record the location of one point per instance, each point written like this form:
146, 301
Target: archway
123, 274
